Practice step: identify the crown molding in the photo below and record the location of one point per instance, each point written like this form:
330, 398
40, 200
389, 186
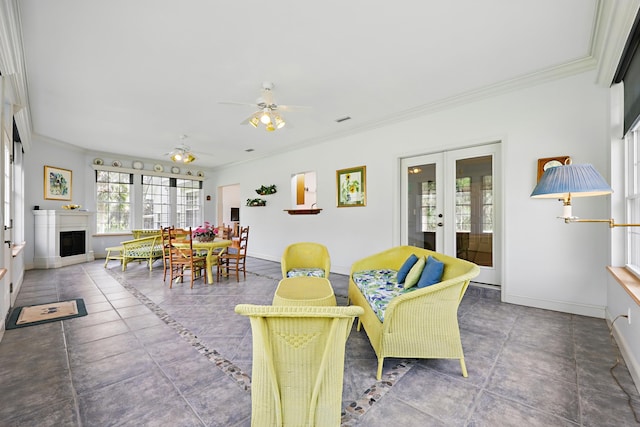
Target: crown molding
615, 20
12, 64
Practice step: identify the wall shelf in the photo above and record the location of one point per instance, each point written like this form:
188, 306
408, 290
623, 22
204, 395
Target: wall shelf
303, 211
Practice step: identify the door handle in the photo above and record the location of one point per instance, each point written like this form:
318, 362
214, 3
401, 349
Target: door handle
8, 242
440, 224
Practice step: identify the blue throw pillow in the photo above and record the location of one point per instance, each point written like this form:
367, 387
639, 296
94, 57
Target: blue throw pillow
404, 270
432, 273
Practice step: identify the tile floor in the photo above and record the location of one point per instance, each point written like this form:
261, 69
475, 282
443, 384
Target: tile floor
147, 355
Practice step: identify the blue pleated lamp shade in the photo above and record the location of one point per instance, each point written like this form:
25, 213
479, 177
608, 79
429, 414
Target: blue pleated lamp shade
574, 180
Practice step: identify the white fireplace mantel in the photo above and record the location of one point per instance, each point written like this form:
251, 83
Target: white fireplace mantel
48, 225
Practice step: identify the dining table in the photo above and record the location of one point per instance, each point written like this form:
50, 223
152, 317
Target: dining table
212, 259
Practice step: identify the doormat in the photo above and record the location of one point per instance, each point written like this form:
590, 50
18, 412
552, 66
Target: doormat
45, 313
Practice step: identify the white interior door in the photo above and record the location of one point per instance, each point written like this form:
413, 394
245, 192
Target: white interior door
450, 204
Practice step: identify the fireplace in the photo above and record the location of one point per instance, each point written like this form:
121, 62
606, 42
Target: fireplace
72, 243
62, 238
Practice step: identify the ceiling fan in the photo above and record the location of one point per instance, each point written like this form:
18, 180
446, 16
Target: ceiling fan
268, 111
182, 152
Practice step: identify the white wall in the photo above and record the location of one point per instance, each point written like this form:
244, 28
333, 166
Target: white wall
547, 263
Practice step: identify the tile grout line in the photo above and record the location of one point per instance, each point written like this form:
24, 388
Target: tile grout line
231, 370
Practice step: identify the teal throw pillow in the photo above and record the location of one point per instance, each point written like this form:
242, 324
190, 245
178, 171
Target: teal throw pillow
432, 273
415, 273
404, 270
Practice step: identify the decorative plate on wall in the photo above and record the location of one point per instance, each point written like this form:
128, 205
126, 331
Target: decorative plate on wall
98, 161
175, 169
137, 165
158, 168
189, 173
200, 173
116, 163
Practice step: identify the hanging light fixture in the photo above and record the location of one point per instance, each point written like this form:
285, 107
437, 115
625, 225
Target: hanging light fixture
182, 153
269, 118
266, 116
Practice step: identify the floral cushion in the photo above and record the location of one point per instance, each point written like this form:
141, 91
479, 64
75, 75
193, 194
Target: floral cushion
379, 287
311, 272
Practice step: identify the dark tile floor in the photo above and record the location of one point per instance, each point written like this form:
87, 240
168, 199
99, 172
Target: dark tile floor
147, 355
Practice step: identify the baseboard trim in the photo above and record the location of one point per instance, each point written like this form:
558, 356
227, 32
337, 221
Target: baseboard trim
562, 306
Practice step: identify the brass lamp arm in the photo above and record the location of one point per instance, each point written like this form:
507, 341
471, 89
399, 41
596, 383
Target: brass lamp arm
610, 221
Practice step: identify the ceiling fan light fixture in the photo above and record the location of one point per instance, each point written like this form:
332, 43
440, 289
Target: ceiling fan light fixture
182, 153
255, 121
188, 158
266, 117
270, 127
280, 122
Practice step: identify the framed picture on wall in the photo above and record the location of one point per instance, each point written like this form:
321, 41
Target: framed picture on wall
57, 183
352, 187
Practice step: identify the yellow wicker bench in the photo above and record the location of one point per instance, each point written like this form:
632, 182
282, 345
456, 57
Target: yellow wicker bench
422, 323
145, 248
113, 252
146, 232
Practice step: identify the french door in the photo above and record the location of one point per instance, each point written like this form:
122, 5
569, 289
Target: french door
450, 204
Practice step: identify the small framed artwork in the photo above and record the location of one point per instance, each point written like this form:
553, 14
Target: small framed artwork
57, 183
352, 187
549, 162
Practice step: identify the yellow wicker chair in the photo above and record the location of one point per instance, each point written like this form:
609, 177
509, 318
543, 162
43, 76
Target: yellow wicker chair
303, 256
298, 363
418, 324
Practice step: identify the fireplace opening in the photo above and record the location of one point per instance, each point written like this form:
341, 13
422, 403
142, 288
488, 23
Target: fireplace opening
72, 243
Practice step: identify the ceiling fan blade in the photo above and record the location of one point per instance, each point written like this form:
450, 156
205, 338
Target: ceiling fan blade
293, 108
238, 103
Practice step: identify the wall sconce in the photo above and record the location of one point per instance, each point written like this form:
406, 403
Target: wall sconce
568, 181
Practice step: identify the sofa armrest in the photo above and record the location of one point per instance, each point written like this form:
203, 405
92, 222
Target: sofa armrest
390, 259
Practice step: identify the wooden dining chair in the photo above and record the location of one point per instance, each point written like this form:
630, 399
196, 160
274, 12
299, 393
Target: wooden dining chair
234, 258
182, 259
178, 233
166, 251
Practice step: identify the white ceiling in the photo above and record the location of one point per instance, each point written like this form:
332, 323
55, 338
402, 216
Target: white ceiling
130, 77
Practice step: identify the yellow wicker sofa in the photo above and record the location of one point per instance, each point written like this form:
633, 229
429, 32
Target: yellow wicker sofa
419, 322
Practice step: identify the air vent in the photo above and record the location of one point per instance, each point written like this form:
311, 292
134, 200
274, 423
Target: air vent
342, 119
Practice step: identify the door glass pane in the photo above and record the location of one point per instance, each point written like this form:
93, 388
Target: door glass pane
474, 210
422, 210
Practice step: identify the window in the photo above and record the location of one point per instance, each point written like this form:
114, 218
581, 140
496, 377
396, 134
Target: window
113, 204
463, 204
487, 204
632, 199
156, 201
189, 196
429, 217
126, 201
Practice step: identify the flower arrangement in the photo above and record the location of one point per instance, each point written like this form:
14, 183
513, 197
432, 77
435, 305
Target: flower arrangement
206, 232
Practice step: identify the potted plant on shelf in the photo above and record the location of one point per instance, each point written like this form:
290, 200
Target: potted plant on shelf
264, 190
256, 202
204, 233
